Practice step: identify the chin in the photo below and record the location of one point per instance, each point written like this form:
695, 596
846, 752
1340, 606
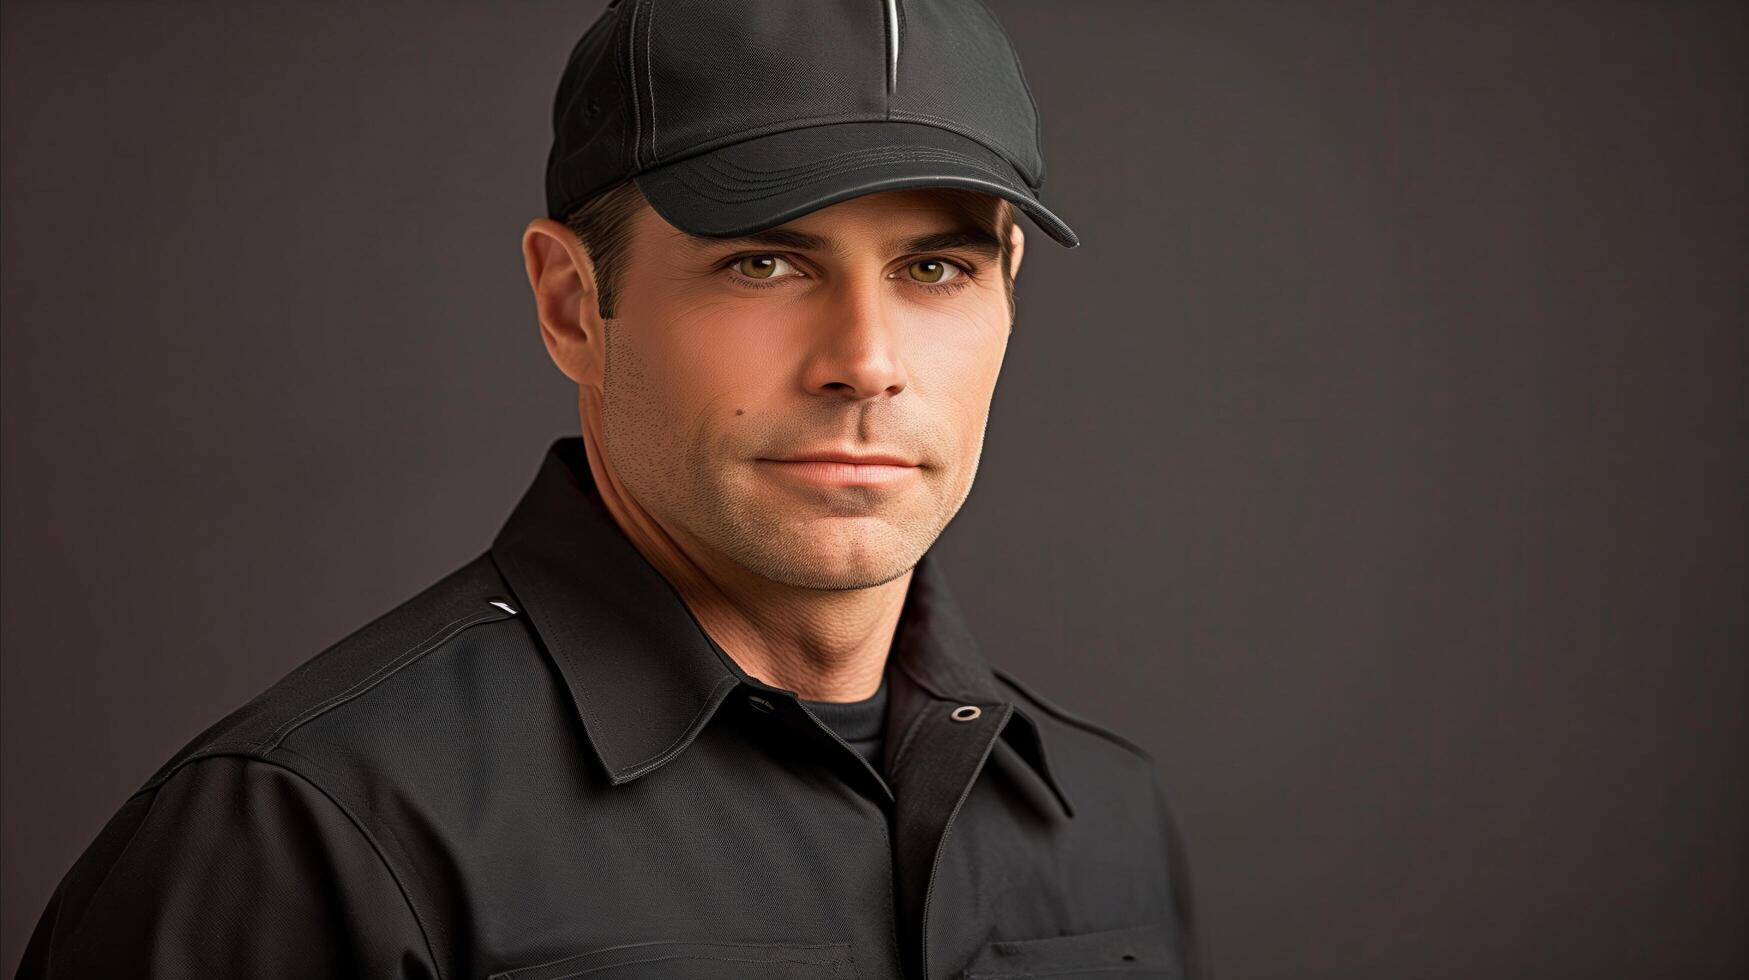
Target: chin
832, 561
837, 579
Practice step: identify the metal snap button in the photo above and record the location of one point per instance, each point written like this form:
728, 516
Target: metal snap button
966, 712
760, 703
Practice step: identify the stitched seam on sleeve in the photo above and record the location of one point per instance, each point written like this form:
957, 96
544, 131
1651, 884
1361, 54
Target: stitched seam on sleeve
375, 846
424, 934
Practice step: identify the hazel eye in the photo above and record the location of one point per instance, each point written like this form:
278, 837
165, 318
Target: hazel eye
761, 266
934, 271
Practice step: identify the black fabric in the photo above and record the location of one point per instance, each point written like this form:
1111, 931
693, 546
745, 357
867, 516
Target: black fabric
778, 177
735, 117
540, 766
861, 723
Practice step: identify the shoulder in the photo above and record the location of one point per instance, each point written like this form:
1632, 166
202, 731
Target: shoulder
380, 654
229, 859
287, 790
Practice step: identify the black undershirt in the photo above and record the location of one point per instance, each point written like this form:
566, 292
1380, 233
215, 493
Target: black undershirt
861, 723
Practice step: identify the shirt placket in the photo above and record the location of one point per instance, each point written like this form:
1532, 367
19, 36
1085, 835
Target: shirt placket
934, 770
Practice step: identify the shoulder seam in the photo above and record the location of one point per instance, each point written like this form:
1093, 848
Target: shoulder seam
229, 744
1063, 715
382, 673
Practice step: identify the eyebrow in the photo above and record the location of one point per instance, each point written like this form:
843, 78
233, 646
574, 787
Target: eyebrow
974, 240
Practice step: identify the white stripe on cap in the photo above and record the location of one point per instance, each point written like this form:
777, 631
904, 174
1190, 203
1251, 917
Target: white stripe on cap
892, 44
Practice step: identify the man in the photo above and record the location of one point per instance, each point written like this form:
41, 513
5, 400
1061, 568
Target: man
705, 707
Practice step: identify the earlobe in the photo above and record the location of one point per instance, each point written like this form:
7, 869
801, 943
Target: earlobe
563, 282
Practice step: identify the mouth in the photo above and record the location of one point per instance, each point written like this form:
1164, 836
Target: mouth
844, 470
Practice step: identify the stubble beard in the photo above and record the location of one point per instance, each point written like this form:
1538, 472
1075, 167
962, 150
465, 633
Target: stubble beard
706, 486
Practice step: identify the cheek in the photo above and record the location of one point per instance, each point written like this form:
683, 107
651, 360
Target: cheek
959, 364
709, 343
692, 374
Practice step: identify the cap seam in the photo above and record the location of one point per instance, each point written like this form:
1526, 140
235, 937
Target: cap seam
980, 137
741, 136
1038, 140
899, 8
627, 68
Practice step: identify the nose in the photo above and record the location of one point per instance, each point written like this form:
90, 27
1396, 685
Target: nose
858, 352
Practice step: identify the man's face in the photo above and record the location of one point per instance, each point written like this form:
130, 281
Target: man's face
727, 356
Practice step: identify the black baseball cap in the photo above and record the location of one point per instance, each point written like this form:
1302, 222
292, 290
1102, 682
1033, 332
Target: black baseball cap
737, 115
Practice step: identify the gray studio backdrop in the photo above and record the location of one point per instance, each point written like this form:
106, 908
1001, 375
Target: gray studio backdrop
1378, 462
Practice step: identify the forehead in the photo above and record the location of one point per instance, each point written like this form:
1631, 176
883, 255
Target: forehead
889, 215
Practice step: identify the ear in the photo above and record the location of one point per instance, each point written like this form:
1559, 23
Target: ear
1016, 246
565, 299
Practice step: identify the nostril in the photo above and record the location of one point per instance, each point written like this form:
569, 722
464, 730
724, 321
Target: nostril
1129, 957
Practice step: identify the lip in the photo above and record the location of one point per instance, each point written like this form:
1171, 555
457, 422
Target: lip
839, 469
841, 456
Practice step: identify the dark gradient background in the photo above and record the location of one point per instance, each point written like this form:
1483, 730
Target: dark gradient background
1378, 461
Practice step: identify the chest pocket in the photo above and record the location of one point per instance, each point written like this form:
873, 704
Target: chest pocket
1141, 951
696, 961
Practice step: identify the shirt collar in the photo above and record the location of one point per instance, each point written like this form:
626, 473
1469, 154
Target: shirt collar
644, 675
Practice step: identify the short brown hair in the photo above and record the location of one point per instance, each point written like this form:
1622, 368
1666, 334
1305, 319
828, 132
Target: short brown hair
603, 223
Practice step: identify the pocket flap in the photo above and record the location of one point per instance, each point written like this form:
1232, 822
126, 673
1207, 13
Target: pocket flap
689, 960
1143, 950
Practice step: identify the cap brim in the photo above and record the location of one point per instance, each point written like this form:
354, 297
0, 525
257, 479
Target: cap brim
767, 180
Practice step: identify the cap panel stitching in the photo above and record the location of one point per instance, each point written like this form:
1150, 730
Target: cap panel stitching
898, 46
1038, 136
783, 126
739, 195
631, 64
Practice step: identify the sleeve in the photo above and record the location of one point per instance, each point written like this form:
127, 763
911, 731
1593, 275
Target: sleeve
1183, 921
233, 867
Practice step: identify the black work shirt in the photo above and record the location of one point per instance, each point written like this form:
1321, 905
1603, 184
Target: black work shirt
861, 723
541, 766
